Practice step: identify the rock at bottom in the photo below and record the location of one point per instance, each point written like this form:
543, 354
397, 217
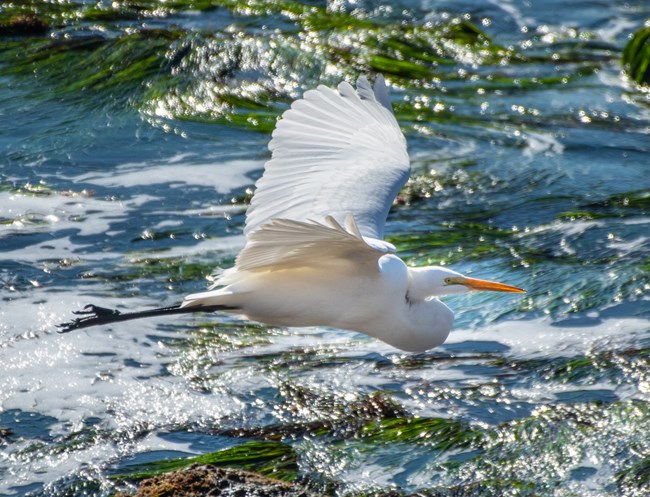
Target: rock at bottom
200, 480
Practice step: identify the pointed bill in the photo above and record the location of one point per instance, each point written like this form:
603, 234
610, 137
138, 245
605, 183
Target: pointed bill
492, 286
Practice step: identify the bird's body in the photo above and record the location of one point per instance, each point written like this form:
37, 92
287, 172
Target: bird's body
373, 298
314, 253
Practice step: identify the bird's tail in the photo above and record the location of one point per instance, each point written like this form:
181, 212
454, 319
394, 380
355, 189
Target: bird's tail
218, 297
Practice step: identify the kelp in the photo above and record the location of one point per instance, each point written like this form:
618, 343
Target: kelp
614, 365
246, 76
306, 413
635, 478
636, 56
171, 269
83, 67
557, 438
440, 433
40, 189
477, 458
273, 459
200, 348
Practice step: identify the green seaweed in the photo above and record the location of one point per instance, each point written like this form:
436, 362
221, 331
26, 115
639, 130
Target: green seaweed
637, 199
198, 350
273, 459
579, 215
304, 412
636, 56
441, 433
557, 436
194, 75
450, 243
624, 204
474, 237
117, 67
40, 189
635, 478
618, 365
172, 269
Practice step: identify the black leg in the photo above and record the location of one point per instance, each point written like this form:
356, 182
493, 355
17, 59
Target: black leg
97, 311
94, 315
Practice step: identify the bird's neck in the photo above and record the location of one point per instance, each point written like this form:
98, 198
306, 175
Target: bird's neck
421, 283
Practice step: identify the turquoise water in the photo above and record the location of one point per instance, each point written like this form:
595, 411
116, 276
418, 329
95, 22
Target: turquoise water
123, 183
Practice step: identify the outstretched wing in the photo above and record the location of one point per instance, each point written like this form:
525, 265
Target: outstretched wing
334, 153
286, 243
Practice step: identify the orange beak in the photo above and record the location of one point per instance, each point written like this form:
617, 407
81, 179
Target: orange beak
492, 286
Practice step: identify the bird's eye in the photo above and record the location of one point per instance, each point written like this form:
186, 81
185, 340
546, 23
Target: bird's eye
447, 281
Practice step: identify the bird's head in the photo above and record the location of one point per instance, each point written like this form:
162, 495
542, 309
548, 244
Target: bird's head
434, 281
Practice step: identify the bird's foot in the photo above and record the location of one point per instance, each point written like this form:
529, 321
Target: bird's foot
97, 311
92, 314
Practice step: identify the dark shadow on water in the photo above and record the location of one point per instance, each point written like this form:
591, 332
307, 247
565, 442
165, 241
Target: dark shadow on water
638, 309
476, 347
30, 489
586, 396
28, 425
148, 457
474, 370
583, 473
198, 442
495, 413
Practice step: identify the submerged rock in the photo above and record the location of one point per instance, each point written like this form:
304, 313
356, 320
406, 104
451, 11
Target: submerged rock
200, 480
24, 25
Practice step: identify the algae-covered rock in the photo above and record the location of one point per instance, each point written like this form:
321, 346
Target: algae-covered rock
23, 25
199, 480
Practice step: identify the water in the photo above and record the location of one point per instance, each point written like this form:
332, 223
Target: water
126, 188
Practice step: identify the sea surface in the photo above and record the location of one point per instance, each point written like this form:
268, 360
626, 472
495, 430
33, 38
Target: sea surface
131, 135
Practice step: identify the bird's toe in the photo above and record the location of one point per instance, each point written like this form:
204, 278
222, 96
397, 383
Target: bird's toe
91, 309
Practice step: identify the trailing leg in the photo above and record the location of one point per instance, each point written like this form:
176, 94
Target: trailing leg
94, 315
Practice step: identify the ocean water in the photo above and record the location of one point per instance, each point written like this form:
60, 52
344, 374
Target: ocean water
130, 140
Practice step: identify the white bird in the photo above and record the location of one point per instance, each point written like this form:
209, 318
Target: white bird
314, 253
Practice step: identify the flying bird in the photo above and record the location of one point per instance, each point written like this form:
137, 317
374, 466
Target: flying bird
314, 252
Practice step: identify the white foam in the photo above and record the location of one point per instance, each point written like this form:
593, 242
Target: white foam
539, 142
59, 211
614, 27
224, 177
511, 8
541, 338
572, 229
115, 376
117, 373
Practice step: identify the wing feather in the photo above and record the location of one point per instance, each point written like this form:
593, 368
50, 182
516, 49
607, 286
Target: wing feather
334, 153
286, 243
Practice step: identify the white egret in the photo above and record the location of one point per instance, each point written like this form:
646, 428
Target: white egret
314, 253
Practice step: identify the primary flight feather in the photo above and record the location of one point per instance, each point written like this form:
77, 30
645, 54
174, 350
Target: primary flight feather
314, 252
334, 153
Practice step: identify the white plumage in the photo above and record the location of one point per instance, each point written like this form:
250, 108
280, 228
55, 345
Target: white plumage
314, 253
334, 153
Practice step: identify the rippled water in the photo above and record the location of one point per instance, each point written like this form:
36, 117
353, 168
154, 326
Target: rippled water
129, 141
